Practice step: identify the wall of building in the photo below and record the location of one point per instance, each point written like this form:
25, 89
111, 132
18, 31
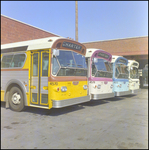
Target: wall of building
16, 31
130, 48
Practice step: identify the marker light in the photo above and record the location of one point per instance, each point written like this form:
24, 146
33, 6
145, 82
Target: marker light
57, 89
111, 86
84, 87
63, 88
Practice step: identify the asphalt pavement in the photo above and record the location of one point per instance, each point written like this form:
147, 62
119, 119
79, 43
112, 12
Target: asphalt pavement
115, 123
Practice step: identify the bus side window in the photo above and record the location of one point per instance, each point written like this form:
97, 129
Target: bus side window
45, 64
93, 69
55, 66
116, 72
35, 64
18, 60
6, 61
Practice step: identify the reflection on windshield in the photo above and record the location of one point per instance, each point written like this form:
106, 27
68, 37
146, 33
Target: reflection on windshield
121, 71
101, 68
69, 63
134, 73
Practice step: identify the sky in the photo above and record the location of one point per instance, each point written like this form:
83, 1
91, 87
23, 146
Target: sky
97, 20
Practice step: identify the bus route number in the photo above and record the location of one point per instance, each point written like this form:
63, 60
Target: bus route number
54, 83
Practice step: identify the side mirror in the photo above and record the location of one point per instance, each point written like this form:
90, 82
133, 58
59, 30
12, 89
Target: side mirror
55, 52
95, 60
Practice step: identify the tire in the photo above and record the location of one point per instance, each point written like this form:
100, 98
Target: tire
16, 99
140, 78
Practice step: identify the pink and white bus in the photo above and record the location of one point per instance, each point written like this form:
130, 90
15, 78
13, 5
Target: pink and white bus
99, 74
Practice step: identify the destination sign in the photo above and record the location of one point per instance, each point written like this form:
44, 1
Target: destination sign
135, 64
122, 60
103, 55
72, 46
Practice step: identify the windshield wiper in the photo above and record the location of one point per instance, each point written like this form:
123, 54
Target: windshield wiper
80, 65
68, 65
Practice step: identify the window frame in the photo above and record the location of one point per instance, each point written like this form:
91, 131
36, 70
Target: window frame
75, 68
13, 54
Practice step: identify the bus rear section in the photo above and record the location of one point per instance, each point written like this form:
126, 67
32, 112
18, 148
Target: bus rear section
99, 74
120, 76
134, 83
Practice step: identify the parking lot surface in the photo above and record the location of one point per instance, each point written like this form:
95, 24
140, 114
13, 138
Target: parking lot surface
115, 123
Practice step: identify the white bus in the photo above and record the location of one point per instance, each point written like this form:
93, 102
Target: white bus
99, 74
134, 83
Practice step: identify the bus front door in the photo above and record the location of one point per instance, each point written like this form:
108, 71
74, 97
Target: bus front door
39, 79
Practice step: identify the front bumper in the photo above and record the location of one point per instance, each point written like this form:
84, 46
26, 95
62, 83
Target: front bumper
69, 102
101, 96
123, 93
135, 91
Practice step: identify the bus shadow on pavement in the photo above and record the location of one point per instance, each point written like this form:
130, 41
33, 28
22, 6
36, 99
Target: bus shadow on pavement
118, 98
114, 99
54, 111
3, 104
95, 102
129, 96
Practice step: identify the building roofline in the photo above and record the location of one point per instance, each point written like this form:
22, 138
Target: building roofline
115, 39
29, 25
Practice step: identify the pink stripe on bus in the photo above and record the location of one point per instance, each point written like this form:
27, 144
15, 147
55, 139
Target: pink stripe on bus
99, 79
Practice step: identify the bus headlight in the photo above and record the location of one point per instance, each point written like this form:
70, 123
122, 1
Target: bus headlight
111, 86
98, 86
85, 87
63, 88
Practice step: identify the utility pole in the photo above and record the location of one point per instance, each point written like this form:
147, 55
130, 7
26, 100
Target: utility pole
76, 21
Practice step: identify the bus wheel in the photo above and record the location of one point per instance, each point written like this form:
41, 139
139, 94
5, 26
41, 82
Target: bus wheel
16, 99
141, 82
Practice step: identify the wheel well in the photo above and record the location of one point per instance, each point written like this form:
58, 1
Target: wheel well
12, 85
15, 85
9, 88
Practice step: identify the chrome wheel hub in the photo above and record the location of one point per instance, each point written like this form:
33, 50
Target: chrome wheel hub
16, 98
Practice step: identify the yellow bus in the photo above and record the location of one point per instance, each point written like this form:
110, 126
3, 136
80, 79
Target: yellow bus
46, 73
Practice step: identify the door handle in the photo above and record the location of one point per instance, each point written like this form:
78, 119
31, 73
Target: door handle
45, 87
33, 87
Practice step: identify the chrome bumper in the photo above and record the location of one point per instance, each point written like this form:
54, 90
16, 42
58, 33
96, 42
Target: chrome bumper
101, 96
123, 93
69, 102
135, 91
145, 85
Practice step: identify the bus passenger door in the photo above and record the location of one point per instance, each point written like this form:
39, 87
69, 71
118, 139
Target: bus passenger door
39, 78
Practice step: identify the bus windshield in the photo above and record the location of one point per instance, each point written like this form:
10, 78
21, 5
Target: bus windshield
134, 73
68, 63
121, 71
101, 68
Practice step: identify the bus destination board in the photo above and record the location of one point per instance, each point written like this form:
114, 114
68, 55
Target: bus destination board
72, 46
103, 55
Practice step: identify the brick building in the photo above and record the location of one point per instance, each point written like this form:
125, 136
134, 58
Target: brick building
16, 31
131, 48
